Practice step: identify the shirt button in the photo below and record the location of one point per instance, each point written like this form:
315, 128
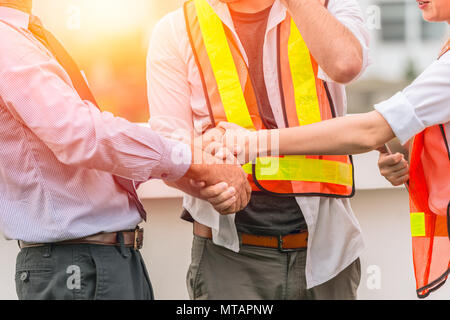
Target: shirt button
24, 276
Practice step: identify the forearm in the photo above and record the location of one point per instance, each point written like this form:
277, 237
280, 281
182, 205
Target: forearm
346, 135
337, 50
184, 185
198, 172
103, 142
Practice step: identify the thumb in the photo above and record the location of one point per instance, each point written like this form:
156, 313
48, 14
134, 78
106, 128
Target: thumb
197, 184
383, 150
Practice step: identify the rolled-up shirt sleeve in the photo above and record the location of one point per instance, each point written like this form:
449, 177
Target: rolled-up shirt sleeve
37, 91
425, 103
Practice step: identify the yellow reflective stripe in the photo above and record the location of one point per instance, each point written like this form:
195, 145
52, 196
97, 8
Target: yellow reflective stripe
223, 65
303, 78
418, 224
300, 168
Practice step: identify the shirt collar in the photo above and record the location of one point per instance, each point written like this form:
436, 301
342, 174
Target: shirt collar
277, 15
14, 17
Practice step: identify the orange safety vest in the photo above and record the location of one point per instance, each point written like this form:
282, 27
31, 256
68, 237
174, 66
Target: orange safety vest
230, 97
429, 189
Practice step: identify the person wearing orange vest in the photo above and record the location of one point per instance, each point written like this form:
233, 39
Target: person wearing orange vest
261, 65
419, 114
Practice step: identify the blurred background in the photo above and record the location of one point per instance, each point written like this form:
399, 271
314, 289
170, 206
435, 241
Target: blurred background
109, 40
402, 46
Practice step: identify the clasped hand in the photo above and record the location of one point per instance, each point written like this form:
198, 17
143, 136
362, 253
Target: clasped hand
232, 146
226, 187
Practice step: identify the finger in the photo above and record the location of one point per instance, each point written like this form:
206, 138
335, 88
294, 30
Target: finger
390, 160
224, 196
213, 147
197, 184
245, 201
400, 181
237, 205
221, 154
214, 134
235, 150
393, 169
225, 154
231, 159
399, 166
401, 172
399, 175
242, 200
232, 155
227, 207
214, 190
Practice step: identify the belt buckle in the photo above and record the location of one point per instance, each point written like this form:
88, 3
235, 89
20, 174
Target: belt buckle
280, 245
137, 243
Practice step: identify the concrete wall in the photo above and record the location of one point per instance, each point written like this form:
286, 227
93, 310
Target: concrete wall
382, 212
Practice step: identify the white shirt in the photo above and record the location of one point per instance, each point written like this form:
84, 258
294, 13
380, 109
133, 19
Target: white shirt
425, 103
178, 107
58, 153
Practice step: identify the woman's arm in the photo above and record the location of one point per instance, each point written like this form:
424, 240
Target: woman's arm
422, 104
347, 135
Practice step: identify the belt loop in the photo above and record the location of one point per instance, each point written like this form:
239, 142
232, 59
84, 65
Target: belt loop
47, 251
123, 250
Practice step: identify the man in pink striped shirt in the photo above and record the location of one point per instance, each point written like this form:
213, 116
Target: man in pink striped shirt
67, 173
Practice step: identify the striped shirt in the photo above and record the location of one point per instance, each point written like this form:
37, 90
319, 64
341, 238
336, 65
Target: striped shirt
59, 153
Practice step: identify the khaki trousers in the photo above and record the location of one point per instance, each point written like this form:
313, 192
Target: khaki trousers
258, 273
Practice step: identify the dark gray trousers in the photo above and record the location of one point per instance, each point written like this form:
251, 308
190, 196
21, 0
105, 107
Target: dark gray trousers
82, 272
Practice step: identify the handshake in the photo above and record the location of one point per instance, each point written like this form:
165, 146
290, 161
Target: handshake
216, 174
